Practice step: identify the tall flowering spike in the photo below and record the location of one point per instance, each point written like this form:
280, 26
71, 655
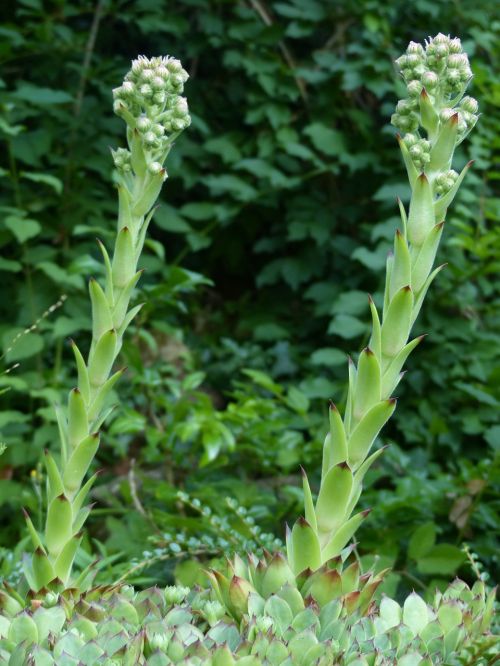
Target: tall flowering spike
434, 117
150, 102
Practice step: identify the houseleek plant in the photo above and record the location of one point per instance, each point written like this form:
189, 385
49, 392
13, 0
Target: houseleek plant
304, 607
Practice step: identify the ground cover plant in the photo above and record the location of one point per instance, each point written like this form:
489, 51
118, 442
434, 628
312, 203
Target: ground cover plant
310, 605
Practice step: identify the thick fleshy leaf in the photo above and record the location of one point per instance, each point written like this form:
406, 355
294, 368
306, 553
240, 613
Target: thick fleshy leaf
308, 502
102, 358
333, 498
421, 218
443, 149
424, 259
54, 481
335, 446
79, 462
365, 433
306, 548
415, 613
375, 339
401, 269
83, 375
150, 194
123, 265
342, 536
64, 561
391, 373
123, 301
397, 322
410, 166
428, 115
43, 571
58, 529
367, 391
78, 426
101, 312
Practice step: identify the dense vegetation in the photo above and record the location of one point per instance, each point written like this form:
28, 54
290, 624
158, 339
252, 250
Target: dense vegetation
286, 181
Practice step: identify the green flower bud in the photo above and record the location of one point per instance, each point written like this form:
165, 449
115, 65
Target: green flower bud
410, 140
455, 45
154, 167
414, 88
150, 138
415, 49
146, 90
144, 124
159, 97
430, 79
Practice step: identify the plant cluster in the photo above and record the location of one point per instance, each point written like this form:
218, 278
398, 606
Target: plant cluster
310, 606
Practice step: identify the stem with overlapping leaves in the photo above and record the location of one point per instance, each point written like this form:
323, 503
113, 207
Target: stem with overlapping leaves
435, 118
150, 102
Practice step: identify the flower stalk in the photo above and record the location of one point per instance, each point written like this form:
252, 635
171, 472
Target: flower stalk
435, 118
150, 103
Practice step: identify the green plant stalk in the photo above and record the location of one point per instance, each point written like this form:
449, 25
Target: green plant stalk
436, 76
150, 103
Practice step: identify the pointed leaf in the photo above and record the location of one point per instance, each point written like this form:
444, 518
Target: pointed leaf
333, 497
306, 548
367, 430
367, 384
421, 218
422, 265
123, 266
342, 536
397, 322
77, 418
102, 358
442, 151
58, 528
401, 269
79, 463
308, 502
101, 313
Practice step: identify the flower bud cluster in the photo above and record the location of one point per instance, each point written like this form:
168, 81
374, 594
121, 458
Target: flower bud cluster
441, 68
419, 149
445, 181
122, 159
150, 102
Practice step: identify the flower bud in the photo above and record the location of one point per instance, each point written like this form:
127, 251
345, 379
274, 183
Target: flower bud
150, 138
469, 104
146, 90
154, 168
441, 50
144, 124
430, 80
446, 114
174, 65
410, 140
158, 130
158, 83
159, 98
148, 75
127, 88
415, 49
455, 45
414, 88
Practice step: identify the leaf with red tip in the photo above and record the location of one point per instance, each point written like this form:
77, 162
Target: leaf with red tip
442, 151
306, 548
361, 440
421, 218
342, 536
397, 322
333, 498
424, 259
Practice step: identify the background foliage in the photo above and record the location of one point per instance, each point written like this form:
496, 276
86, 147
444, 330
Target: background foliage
275, 224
